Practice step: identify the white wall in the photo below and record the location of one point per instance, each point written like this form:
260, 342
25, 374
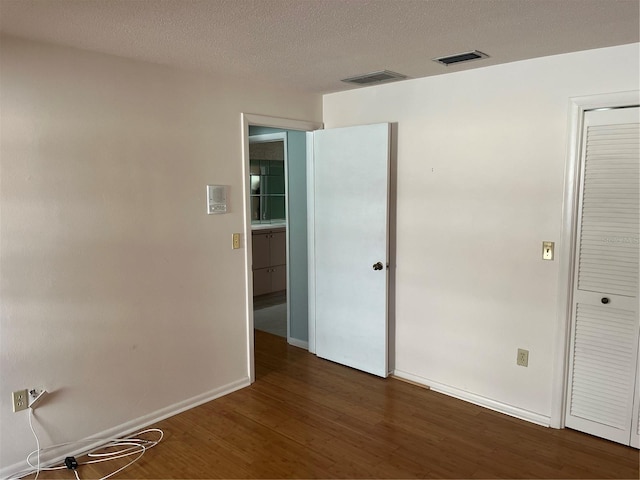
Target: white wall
118, 292
481, 158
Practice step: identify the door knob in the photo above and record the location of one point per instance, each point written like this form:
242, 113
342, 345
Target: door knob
377, 266
605, 300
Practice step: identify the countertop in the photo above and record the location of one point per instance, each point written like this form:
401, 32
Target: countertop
267, 226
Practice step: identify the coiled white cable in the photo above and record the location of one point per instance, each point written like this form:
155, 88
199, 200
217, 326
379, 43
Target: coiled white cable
125, 447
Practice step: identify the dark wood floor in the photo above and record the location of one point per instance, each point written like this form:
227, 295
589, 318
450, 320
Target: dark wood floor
309, 418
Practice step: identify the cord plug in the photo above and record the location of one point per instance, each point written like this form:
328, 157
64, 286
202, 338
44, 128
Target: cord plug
35, 396
71, 463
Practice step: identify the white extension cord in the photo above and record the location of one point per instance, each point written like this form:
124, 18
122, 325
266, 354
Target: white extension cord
132, 446
37, 441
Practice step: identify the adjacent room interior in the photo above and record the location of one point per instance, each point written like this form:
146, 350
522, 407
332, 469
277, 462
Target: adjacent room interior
268, 197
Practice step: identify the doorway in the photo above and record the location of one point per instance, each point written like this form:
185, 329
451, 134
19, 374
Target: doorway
276, 218
356, 142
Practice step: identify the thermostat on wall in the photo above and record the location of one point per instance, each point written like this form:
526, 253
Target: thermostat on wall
217, 199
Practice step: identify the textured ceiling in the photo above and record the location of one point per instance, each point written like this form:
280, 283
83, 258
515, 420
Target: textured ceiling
309, 45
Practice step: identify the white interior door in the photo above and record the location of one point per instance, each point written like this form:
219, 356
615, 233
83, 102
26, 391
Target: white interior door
351, 197
603, 371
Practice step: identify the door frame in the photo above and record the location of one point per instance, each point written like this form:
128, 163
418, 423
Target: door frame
260, 121
567, 248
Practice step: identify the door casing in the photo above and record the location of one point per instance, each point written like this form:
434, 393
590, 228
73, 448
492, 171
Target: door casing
261, 121
567, 247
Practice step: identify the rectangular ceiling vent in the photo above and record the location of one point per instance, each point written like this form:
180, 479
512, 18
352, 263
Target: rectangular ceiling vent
375, 77
461, 57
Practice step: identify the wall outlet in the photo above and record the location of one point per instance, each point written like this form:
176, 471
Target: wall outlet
235, 241
523, 357
20, 400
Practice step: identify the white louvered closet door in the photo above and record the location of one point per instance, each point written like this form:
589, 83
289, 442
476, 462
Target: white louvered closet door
602, 394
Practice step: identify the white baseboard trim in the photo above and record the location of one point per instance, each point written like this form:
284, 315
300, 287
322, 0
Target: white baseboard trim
298, 343
127, 428
477, 399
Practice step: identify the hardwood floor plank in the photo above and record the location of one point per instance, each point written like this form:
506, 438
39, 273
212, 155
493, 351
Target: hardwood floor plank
309, 418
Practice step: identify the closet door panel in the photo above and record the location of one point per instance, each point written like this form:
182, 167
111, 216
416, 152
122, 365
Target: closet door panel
605, 329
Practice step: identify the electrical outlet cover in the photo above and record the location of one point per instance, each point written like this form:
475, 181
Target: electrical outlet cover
20, 400
523, 357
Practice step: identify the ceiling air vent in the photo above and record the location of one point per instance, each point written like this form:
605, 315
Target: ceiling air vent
375, 77
461, 57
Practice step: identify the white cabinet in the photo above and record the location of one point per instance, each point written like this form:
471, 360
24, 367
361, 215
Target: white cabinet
269, 249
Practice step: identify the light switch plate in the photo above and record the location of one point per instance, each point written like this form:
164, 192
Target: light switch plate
547, 250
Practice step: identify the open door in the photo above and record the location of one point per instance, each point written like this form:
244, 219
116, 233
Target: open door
350, 240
